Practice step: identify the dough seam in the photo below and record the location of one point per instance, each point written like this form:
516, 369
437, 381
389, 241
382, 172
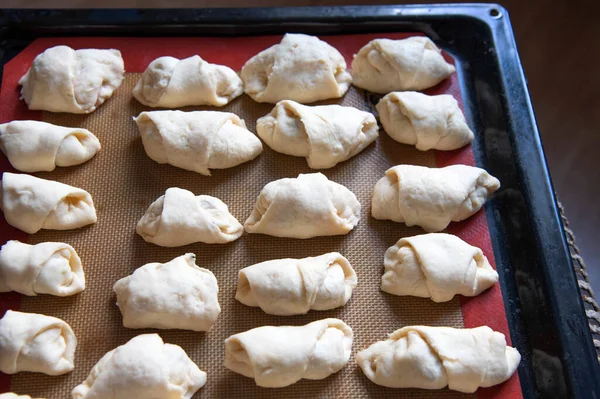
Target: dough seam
163, 88
479, 184
419, 71
211, 140
71, 276
304, 289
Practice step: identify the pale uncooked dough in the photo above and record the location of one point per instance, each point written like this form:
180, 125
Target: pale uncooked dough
427, 122
76, 81
46, 268
144, 367
431, 197
173, 295
325, 135
437, 266
294, 286
180, 218
301, 68
307, 206
280, 356
12, 395
33, 146
385, 65
169, 82
37, 343
197, 140
435, 357
31, 204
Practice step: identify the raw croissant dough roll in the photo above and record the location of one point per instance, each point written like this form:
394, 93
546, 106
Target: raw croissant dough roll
11, 395
76, 81
307, 206
173, 295
313, 351
37, 343
385, 65
294, 286
171, 83
197, 140
436, 266
427, 122
180, 218
47, 268
325, 135
301, 68
431, 197
435, 357
144, 367
31, 204
33, 146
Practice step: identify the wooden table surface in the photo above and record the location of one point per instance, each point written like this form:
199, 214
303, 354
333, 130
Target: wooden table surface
560, 49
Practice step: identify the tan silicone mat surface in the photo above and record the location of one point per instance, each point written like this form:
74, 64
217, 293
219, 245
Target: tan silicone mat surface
124, 182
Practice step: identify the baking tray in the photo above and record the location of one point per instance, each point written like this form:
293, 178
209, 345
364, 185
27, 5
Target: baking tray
543, 306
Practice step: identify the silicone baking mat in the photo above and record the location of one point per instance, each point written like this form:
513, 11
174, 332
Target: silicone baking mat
123, 182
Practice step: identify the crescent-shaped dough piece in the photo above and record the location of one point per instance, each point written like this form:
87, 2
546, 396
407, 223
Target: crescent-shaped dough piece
437, 266
427, 122
431, 197
280, 356
11, 395
31, 204
145, 367
33, 146
435, 357
37, 343
180, 218
301, 68
47, 268
325, 134
287, 287
169, 82
173, 295
385, 65
197, 140
76, 81
307, 206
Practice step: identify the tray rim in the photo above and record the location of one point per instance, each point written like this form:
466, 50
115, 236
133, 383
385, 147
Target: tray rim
21, 26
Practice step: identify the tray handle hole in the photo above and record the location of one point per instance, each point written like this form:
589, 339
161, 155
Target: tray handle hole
495, 13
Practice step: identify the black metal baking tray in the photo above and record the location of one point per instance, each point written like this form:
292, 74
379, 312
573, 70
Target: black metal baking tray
543, 306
